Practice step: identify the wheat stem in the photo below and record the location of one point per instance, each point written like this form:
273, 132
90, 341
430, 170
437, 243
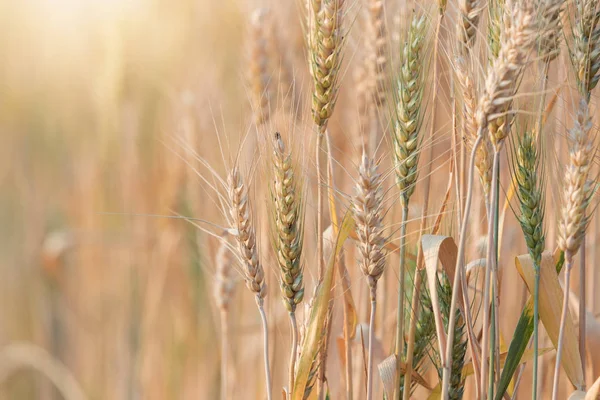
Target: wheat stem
265, 328
224, 353
400, 309
459, 276
582, 310
563, 320
414, 315
294, 351
490, 267
426, 184
320, 215
371, 340
536, 316
347, 334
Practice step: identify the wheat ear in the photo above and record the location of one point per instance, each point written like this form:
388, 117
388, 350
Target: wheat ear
585, 54
368, 214
406, 140
517, 38
469, 14
483, 159
325, 40
242, 224
410, 344
288, 237
575, 218
585, 57
528, 176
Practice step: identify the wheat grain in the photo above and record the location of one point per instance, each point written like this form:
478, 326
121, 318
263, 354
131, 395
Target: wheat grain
469, 13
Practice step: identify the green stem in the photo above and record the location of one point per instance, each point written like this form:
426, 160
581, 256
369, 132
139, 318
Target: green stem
563, 320
371, 340
263, 318
490, 267
400, 309
458, 276
536, 294
294, 351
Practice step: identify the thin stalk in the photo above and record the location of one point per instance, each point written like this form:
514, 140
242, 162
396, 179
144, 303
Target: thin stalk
320, 215
582, 310
495, 359
371, 340
330, 184
490, 260
224, 353
544, 72
544, 75
492, 347
563, 320
263, 317
345, 280
348, 349
418, 275
294, 351
400, 310
456, 155
414, 315
459, 276
536, 316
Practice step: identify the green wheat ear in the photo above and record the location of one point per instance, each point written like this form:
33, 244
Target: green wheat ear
528, 176
409, 109
459, 345
585, 52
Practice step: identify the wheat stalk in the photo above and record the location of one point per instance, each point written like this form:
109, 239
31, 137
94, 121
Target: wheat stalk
577, 196
224, 286
288, 215
368, 213
517, 37
406, 141
241, 223
585, 54
325, 40
530, 194
585, 57
501, 83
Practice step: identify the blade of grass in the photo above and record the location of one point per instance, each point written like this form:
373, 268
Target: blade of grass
319, 315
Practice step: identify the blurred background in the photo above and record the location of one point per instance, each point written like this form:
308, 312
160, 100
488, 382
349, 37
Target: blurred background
92, 93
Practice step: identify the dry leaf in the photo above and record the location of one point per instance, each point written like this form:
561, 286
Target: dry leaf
387, 371
550, 305
436, 248
594, 392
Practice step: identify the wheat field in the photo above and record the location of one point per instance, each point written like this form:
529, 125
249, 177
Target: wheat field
308, 199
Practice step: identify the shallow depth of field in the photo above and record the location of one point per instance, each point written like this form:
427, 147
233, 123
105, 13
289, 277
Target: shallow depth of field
160, 192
